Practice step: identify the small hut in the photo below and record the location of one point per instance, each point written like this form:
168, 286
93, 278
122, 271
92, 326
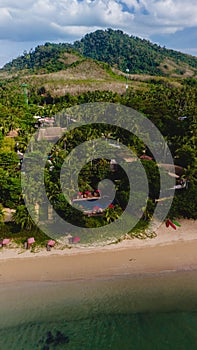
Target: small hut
50, 244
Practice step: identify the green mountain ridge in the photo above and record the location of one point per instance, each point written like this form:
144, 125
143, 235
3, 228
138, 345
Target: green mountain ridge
114, 48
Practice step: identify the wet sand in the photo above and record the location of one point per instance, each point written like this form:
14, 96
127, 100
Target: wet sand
170, 251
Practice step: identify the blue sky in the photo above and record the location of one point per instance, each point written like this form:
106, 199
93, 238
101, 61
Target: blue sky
24, 25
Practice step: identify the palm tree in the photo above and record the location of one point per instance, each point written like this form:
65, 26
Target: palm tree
22, 218
112, 213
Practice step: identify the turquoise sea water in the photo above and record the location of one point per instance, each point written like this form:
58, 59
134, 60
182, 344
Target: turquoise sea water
125, 312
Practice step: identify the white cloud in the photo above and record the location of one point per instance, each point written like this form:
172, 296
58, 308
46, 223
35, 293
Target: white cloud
53, 18
68, 20
166, 16
175, 11
5, 17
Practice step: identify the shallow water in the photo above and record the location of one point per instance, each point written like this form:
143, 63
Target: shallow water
126, 312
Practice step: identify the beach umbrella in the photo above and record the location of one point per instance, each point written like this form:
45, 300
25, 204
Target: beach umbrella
51, 243
111, 206
97, 193
5, 241
76, 239
96, 207
30, 240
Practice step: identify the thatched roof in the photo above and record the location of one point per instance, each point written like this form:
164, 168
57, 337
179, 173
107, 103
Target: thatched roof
50, 134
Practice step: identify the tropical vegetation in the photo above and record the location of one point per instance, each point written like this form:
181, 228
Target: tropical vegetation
166, 96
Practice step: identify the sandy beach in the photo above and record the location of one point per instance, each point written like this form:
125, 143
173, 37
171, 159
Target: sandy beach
171, 250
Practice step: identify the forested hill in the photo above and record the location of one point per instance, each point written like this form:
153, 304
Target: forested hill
114, 47
48, 57
129, 52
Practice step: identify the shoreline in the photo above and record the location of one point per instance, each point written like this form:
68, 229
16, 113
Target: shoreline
100, 265
165, 236
170, 251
